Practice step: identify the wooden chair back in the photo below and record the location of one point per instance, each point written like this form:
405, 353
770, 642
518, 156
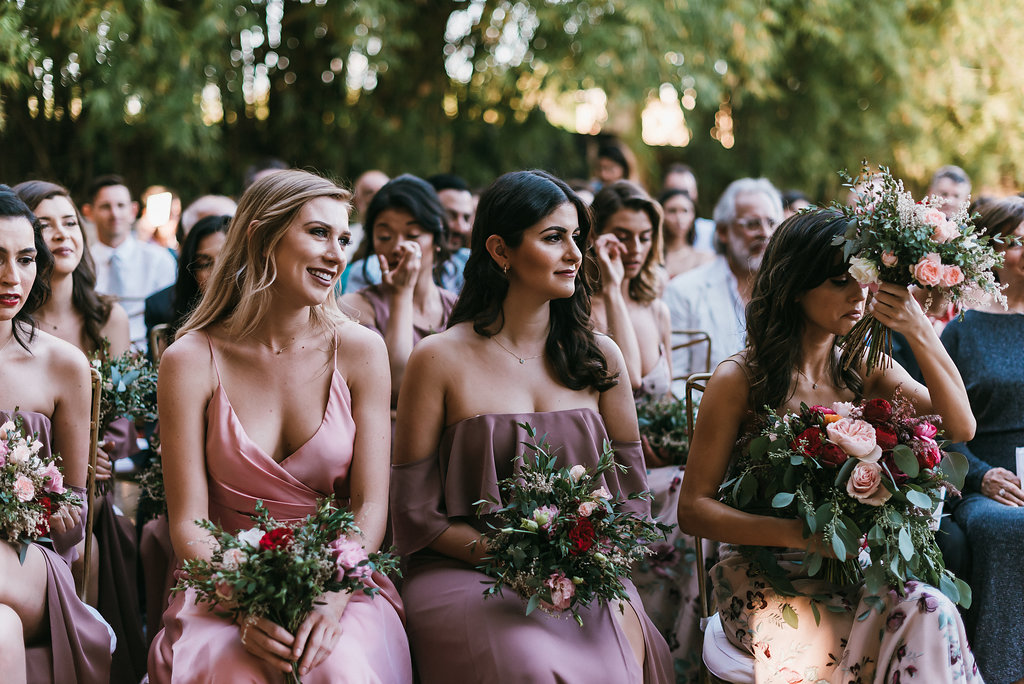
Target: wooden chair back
90, 487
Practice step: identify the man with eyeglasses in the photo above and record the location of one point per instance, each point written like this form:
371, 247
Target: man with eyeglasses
713, 297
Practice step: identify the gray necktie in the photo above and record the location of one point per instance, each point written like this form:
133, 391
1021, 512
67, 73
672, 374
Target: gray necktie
115, 279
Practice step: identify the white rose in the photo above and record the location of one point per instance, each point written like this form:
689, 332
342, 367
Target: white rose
21, 454
251, 537
576, 472
863, 271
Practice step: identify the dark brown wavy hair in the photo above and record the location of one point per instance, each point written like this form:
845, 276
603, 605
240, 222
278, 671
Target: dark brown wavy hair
95, 308
511, 205
23, 324
800, 256
628, 195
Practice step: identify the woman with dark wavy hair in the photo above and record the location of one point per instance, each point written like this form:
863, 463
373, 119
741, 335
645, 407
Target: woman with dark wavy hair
521, 326
407, 232
46, 633
76, 313
803, 301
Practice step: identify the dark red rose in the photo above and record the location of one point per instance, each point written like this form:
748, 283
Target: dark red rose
832, 455
885, 437
897, 474
277, 538
877, 411
808, 442
43, 527
928, 453
582, 536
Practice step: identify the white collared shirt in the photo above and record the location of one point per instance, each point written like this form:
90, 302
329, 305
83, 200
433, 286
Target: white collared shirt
145, 268
706, 298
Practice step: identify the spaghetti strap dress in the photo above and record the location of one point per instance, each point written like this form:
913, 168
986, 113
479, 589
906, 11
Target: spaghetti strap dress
458, 636
196, 645
80, 644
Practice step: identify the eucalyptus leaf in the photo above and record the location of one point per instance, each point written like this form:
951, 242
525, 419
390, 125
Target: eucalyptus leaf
812, 564
906, 460
782, 499
790, 616
838, 546
759, 447
954, 467
906, 544
919, 499
531, 605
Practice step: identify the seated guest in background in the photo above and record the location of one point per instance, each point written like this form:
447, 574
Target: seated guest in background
953, 185
76, 314
712, 297
49, 634
680, 255
681, 177
203, 206
406, 233
126, 268
260, 398
986, 347
520, 349
459, 207
198, 256
792, 202
366, 186
612, 165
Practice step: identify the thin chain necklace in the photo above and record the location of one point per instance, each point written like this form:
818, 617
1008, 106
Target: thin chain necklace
522, 360
814, 385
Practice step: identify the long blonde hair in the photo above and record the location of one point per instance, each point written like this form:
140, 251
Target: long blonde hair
238, 292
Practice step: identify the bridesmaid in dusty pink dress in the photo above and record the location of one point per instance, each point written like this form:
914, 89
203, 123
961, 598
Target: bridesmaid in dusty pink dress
260, 398
46, 633
519, 349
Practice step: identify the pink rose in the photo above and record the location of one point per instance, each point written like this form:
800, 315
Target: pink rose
889, 259
24, 489
945, 232
933, 217
562, 590
926, 430
855, 437
602, 493
233, 558
586, 508
928, 271
576, 472
348, 556
53, 480
865, 484
952, 275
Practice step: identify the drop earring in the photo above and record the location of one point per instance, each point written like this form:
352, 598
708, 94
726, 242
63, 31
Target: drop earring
504, 270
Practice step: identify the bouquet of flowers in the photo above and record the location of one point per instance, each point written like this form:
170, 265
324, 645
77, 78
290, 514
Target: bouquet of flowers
866, 477
129, 386
663, 423
894, 239
560, 540
31, 487
279, 570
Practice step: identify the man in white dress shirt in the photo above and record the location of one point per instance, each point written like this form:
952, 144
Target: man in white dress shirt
125, 268
713, 297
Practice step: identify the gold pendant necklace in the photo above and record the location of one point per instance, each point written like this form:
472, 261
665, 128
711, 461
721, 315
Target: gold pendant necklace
522, 360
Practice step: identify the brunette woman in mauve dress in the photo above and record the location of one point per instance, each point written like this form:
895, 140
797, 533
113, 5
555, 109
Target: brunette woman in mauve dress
46, 633
627, 307
75, 313
804, 299
269, 393
407, 232
519, 349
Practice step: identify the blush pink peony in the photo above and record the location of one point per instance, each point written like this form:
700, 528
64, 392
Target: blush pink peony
24, 489
348, 556
945, 232
855, 437
952, 275
562, 590
865, 484
53, 480
233, 558
586, 508
933, 217
928, 271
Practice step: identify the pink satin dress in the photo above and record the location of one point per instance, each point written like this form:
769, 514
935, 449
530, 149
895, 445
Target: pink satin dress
196, 645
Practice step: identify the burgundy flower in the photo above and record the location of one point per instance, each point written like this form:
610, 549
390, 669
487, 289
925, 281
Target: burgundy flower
808, 442
885, 437
877, 411
928, 453
44, 525
832, 455
277, 538
582, 536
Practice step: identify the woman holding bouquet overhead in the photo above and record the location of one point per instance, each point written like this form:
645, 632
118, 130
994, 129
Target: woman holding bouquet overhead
270, 394
48, 634
521, 325
803, 300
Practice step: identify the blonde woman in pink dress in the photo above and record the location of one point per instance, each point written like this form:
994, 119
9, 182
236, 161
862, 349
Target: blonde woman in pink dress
269, 393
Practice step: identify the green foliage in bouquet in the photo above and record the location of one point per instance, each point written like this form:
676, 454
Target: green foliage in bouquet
560, 540
867, 478
663, 423
891, 238
129, 386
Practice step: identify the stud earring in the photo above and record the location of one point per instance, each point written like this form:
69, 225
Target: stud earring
505, 270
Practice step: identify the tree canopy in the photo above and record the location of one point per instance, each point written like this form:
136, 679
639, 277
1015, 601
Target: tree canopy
186, 94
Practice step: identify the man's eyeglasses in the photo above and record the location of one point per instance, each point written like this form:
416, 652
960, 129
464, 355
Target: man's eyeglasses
754, 223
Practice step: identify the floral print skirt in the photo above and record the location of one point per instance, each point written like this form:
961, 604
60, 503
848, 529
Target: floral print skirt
860, 639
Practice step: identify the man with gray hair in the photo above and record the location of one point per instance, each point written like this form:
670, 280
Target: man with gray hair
713, 297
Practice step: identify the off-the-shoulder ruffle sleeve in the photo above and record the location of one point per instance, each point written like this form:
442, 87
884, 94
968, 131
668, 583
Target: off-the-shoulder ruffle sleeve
417, 512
